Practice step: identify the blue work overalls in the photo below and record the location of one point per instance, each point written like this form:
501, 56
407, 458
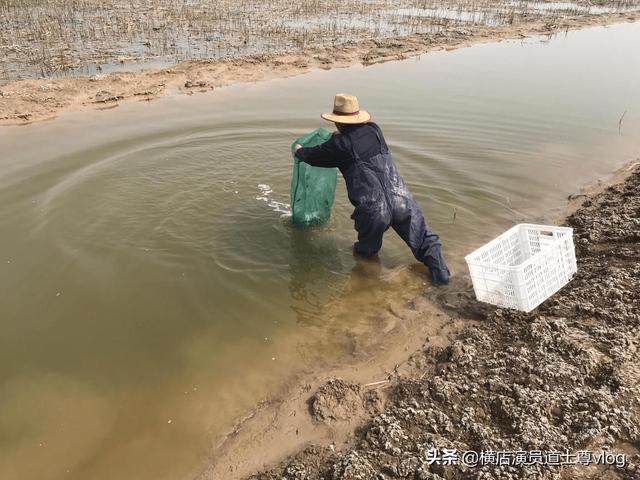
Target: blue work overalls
379, 195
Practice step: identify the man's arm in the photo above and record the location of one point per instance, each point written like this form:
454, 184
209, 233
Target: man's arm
329, 154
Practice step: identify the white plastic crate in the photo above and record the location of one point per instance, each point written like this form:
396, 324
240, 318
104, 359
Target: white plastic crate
524, 266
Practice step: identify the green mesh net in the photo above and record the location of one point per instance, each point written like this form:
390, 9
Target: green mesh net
312, 188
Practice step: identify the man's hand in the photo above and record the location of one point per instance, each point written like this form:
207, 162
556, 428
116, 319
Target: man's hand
298, 147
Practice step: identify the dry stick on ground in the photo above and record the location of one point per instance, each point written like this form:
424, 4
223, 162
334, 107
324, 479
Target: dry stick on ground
373, 384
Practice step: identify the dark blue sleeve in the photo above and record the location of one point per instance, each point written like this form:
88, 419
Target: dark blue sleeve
332, 153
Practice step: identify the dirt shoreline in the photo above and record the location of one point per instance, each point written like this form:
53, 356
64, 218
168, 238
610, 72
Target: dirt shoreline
279, 425
565, 376
28, 101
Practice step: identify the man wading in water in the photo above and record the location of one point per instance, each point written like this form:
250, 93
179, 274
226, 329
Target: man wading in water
374, 186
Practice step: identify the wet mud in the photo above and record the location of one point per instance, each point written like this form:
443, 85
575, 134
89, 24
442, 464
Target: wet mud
563, 377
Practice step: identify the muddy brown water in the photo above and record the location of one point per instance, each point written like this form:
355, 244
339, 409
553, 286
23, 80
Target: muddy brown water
152, 289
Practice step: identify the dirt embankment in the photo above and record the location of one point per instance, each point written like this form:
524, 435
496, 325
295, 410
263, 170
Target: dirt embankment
564, 377
27, 101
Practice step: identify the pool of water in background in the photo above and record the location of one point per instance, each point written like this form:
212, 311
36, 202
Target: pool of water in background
151, 289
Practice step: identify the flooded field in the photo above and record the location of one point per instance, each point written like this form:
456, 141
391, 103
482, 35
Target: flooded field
56, 37
152, 289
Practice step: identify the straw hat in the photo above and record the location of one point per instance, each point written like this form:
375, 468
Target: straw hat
346, 110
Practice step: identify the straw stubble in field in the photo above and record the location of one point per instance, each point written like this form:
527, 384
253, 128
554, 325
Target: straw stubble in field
40, 38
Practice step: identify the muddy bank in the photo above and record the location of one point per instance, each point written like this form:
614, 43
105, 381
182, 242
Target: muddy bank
327, 404
27, 101
564, 377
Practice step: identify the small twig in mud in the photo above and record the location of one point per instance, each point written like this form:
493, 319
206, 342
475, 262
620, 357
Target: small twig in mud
373, 384
455, 214
620, 123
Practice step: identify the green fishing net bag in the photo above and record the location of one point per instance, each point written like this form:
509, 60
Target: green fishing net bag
312, 188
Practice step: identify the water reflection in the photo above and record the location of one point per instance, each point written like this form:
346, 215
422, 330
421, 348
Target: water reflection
315, 271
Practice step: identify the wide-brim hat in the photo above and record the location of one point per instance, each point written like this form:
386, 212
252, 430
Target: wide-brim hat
346, 109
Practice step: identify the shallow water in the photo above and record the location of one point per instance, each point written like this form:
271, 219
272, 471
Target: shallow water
151, 288
571, 7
